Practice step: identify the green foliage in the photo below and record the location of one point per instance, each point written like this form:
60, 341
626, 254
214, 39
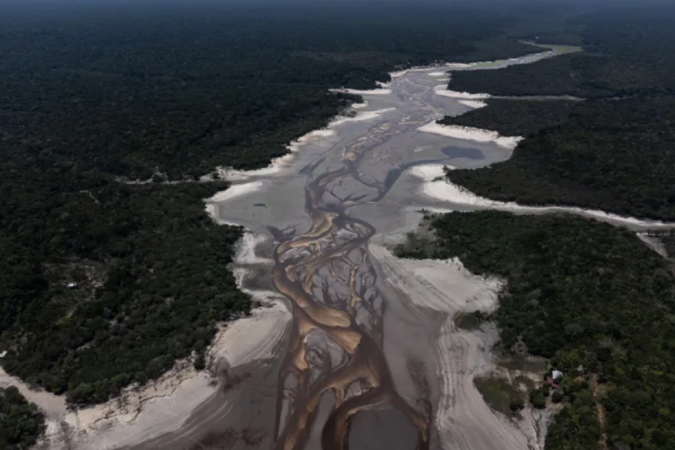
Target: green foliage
515, 117
627, 51
500, 395
576, 426
20, 422
581, 292
538, 397
611, 155
167, 286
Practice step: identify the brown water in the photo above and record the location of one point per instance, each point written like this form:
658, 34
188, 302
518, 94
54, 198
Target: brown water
310, 270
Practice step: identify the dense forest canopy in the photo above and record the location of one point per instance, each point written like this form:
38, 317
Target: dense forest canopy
583, 293
613, 151
93, 97
617, 156
20, 422
627, 51
515, 117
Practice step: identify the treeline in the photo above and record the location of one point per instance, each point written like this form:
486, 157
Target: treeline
593, 298
94, 96
627, 51
152, 282
617, 156
188, 90
21, 424
515, 117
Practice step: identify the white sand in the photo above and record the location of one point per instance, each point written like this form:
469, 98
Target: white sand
437, 74
366, 115
362, 92
245, 253
52, 405
471, 134
400, 73
462, 418
443, 91
360, 105
234, 191
278, 164
493, 65
162, 406
445, 191
475, 104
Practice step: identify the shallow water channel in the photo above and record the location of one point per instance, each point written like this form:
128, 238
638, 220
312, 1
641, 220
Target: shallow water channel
360, 365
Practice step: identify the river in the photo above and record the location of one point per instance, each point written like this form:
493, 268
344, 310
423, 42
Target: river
368, 356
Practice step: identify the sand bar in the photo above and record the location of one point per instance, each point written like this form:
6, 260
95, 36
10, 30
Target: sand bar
471, 134
441, 189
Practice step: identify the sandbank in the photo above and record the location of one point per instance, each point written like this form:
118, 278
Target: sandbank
444, 190
366, 115
278, 164
442, 91
462, 417
475, 104
471, 134
363, 92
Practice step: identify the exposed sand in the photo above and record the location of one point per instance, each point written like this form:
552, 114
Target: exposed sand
52, 405
444, 92
444, 190
462, 417
162, 406
496, 65
654, 243
472, 103
401, 73
278, 164
366, 115
437, 74
471, 134
362, 92
236, 190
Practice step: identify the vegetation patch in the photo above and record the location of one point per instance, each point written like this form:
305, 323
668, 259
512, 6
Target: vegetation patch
21, 424
500, 395
471, 321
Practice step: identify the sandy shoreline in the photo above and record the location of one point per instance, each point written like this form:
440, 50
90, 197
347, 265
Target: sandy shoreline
462, 418
444, 92
381, 91
277, 164
475, 104
471, 134
441, 189
144, 412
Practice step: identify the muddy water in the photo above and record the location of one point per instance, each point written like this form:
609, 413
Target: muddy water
356, 369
